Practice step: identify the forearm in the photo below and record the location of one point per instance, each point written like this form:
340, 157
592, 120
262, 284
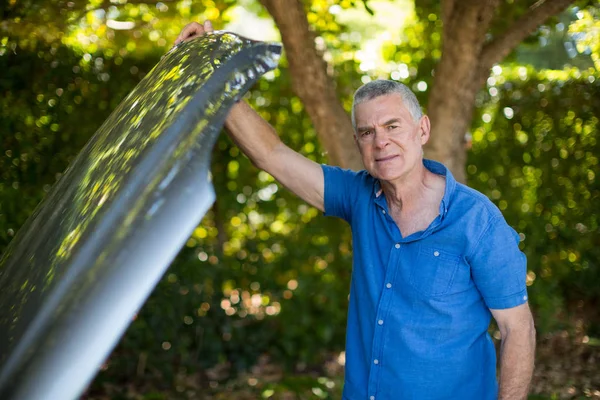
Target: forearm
516, 364
259, 141
251, 133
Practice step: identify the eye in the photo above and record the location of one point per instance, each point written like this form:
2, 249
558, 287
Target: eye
392, 127
366, 133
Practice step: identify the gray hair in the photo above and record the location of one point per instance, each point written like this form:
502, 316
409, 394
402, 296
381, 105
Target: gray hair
381, 87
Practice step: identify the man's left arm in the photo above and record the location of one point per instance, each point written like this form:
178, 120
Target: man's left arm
516, 352
499, 271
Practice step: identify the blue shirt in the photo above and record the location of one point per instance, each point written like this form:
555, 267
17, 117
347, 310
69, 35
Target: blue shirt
419, 306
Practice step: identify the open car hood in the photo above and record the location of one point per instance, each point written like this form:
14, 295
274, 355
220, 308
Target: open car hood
86, 260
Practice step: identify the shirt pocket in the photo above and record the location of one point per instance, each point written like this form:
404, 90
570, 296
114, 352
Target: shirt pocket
434, 271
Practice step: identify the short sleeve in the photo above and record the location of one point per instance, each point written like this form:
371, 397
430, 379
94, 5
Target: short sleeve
498, 266
340, 191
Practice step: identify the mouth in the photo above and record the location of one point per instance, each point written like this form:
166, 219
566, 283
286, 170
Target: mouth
386, 158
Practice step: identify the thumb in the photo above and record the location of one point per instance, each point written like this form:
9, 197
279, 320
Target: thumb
208, 26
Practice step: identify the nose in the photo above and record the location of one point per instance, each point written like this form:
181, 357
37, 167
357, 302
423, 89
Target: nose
381, 138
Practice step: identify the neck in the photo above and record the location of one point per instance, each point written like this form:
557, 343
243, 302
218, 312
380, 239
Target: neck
409, 191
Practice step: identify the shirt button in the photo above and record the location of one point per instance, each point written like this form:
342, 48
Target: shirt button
436, 253
383, 211
380, 322
397, 245
375, 361
372, 398
389, 285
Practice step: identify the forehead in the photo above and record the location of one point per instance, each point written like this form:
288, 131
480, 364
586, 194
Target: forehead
387, 106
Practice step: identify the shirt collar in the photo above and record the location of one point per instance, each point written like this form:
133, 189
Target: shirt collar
436, 168
440, 169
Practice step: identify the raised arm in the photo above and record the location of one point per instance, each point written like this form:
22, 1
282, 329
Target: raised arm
259, 141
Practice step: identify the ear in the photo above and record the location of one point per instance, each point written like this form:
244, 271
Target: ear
424, 129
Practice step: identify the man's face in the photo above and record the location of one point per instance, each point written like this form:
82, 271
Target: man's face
389, 140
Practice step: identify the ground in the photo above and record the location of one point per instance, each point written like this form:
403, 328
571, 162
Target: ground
567, 367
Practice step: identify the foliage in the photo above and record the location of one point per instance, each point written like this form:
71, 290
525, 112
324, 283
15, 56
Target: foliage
542, 131
587, 30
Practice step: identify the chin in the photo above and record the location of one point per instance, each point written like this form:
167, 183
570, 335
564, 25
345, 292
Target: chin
388, 171
389, 177
386, 174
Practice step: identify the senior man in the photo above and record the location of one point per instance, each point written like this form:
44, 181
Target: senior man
433, 259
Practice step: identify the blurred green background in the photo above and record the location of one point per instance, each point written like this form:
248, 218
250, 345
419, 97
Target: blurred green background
255, 304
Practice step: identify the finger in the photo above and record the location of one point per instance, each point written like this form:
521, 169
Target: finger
180, 36
190, 30
187, 31
208, 26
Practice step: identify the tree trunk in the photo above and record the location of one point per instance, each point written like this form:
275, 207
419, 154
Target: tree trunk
312, 84
450, 106
464, 68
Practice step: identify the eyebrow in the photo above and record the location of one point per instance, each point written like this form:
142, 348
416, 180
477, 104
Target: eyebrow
392, 121
388, 122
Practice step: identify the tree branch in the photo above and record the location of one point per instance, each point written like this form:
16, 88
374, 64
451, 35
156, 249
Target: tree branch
471, 17
496, 50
